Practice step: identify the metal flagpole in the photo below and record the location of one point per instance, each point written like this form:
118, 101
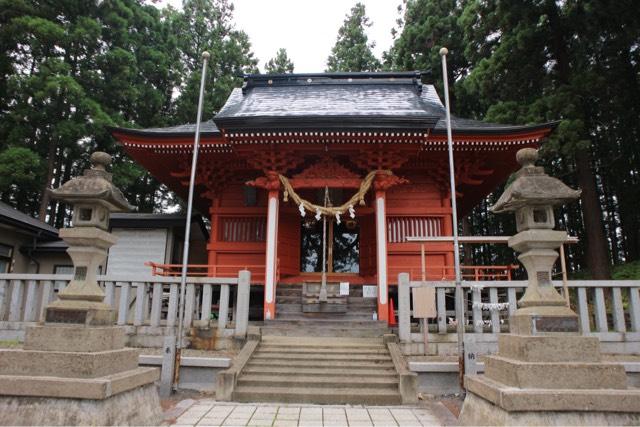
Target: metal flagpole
459, 296
187, 230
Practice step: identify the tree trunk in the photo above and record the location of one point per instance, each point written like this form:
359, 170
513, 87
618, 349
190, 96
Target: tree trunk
44, 190
596, 253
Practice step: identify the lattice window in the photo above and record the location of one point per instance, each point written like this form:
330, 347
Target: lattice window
401, 227
246, 229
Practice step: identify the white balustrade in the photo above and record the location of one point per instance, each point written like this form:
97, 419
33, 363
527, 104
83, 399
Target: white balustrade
138, 301
490, 303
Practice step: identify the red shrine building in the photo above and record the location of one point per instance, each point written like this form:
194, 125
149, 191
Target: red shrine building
368, 148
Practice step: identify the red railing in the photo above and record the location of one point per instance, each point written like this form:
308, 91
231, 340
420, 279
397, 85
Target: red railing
469, 272
206, 270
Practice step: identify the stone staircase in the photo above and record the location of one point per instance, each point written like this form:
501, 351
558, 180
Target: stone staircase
356, 321
320, 370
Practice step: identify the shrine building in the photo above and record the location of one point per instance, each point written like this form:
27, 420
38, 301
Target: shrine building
359, 158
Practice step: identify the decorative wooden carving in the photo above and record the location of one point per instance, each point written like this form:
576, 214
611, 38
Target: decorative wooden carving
327, 172
385, 180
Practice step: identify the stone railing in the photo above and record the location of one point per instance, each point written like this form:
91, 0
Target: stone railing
140, 302
609, 309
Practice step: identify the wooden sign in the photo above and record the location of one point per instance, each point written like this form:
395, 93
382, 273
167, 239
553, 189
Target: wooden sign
344, 288
424, 302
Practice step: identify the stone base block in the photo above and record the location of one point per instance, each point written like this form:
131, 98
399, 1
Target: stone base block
517, 399
559, 375
140, 406
88, 313
74, 338
477, 411
543, 320
563, 348
77, 388
67, 364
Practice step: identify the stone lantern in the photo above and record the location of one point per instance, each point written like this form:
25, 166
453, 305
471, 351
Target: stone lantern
74, 368
545, 372
532, 196
93, 197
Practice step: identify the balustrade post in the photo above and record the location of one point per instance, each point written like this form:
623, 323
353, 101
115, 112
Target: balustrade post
583, 311
4, 293
242, 303
600, 311
110, 294
618, 311
123, 306
634, 308
205, 311
513, 302
138, 317
404, 308
15, 306
223, 308
189, 305
442, 311
31, 304
47, 297
156, 304
172, 312
495, 313
478, 321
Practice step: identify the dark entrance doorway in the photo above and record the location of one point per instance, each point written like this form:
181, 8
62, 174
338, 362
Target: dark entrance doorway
343, 247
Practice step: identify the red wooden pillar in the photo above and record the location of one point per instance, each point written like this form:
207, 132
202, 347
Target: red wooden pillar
381, 255
212, 258
271, 262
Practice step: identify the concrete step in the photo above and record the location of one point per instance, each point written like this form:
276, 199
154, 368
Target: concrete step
329, 321
320, 371
320, 363
368, 396
266, 380
369, 358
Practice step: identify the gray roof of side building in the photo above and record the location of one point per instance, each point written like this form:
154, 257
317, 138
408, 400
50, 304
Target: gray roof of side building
13, 217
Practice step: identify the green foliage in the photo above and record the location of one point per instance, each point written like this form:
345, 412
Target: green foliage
71, 69
21, 172
279, 64
352, 51
628, 271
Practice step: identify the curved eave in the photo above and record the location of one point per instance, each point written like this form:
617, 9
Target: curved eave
506, 130
329, 122
145, 133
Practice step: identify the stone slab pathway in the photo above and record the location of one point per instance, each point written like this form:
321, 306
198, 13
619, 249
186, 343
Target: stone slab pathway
212, 413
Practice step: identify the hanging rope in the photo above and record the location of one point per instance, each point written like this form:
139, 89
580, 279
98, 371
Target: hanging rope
333, 211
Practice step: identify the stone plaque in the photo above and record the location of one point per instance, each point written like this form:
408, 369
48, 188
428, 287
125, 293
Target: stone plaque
66, 316
554, 324
80, 274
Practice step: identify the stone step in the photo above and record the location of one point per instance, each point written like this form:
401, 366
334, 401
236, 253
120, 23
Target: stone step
320, 363
320, 371
322, 350
309, 331
323, 341
328, 321
288, 307
290, 315
373, 358
266, 380
291, 292
368, 396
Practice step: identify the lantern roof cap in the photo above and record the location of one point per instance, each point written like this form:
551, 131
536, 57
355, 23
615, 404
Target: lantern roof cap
533, 187
94, 186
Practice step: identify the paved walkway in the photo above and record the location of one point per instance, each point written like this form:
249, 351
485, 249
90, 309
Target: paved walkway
212, 413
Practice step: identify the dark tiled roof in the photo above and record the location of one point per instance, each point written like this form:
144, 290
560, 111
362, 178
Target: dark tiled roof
328, 100
14, 217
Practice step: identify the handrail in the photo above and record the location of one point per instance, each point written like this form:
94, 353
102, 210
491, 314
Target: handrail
469, 272
123, 278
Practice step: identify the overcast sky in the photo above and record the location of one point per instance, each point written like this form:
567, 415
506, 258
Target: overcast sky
307, 28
